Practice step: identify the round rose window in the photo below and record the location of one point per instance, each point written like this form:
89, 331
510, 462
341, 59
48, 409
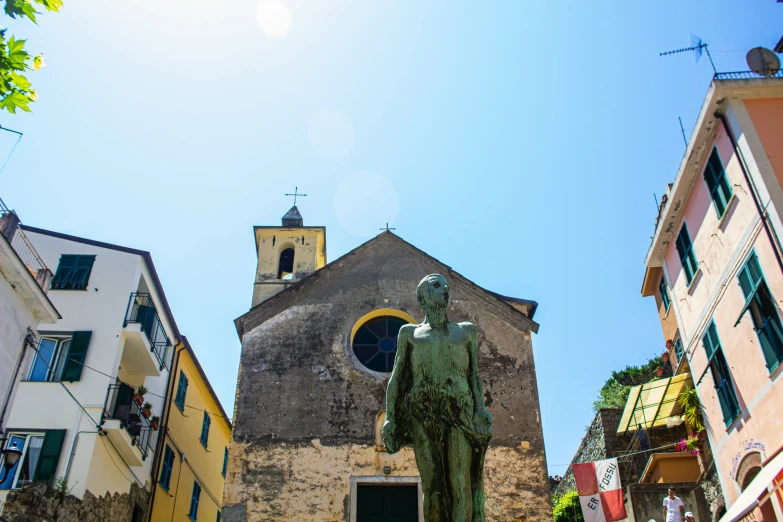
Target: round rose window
375, 342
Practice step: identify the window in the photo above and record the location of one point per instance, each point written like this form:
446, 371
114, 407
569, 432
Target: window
60, 358
193, 513
167, 468
375, 342
720, 375
40, 456
763, 311
285, 269
73, 273
664, 295
225, 463
182, 390
217, 518
685, 251
717, 183
678, 348
205, 429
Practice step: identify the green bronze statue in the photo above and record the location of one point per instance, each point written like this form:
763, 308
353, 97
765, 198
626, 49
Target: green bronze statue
435, 400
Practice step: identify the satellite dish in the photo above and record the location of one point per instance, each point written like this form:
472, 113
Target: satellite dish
763, 62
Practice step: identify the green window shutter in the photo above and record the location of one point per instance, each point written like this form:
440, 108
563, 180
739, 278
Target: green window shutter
225, 462
82, 274
50, 456
686, 254
664, 295
72, 371
205, 429
745, 283
707, 340
754, 269
64, 270
182, 390
166, 469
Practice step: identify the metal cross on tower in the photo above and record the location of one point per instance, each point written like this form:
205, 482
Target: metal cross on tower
296, 194
387, 229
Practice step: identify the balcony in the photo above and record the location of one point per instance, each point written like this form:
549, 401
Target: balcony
671, 467
9, 228
125, 425
146, 343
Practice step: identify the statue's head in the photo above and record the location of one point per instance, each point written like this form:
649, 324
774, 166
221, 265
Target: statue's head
433, 292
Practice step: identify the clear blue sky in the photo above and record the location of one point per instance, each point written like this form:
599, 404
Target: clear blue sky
519, 142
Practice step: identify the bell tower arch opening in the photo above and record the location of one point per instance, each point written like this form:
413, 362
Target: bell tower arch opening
285, 268
286, 254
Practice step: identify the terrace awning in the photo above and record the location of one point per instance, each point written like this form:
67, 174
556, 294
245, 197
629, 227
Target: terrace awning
651, 404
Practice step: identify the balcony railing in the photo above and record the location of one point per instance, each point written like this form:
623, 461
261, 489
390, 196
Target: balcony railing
141, 310
120, 405
9, 227
747, 75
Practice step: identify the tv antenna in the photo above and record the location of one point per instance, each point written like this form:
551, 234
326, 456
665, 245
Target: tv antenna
697, 48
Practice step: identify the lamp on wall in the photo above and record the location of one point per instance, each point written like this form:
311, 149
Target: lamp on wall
11, 455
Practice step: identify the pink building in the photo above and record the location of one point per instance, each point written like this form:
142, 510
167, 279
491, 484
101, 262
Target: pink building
715, 267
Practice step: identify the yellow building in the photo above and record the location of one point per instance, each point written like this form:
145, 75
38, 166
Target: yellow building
190, 464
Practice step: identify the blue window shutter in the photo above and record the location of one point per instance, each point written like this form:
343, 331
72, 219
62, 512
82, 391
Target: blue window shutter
50, 456
77, 354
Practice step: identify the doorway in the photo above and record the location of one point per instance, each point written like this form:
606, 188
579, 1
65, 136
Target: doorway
387, 503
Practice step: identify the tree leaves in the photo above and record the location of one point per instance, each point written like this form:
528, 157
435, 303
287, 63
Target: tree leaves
16, 91
20, 9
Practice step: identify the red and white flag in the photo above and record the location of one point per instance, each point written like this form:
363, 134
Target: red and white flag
600, 493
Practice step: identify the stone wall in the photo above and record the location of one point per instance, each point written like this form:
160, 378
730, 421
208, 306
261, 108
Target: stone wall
39, 502
645, 501
600, 442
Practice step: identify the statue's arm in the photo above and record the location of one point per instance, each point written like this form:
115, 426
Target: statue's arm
400, 367
391, 438
481, 417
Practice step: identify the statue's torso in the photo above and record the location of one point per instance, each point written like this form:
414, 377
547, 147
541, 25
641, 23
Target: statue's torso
441, 358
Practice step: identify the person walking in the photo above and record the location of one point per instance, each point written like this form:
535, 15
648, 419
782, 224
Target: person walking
673, 508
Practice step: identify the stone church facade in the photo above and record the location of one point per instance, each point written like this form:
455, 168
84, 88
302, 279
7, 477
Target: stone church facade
311, 390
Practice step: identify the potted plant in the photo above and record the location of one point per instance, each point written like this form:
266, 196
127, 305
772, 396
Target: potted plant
146, 410
138, 396
154, 422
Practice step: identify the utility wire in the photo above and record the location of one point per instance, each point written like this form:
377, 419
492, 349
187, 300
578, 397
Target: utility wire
12, 148
128, 384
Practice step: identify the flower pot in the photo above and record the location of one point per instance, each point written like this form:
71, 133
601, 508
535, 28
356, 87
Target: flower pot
147, 413
138, 398
154, 424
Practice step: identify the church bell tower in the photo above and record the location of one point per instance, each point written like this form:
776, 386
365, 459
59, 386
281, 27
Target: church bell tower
286, 254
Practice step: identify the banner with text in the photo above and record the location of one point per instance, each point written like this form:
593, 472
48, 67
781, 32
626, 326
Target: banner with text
600, 493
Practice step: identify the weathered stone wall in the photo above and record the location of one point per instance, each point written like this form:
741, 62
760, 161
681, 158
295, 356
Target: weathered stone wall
306, 409
39, 502
645, 501
600, 442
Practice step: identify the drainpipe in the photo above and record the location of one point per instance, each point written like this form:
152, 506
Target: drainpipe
164, 426
28, 339
73, 452
771, 235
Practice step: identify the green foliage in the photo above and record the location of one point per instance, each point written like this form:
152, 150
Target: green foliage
16, 92
566, 508
691, 409
615, 390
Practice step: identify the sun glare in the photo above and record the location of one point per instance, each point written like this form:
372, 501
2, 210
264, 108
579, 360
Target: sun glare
274, 18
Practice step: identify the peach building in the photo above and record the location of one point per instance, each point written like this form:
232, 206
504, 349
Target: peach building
715, 267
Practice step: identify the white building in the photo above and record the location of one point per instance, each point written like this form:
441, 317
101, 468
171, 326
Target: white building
24, 282
75, 415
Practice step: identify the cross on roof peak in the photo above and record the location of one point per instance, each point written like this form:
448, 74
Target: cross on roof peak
387, 229
296, 194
